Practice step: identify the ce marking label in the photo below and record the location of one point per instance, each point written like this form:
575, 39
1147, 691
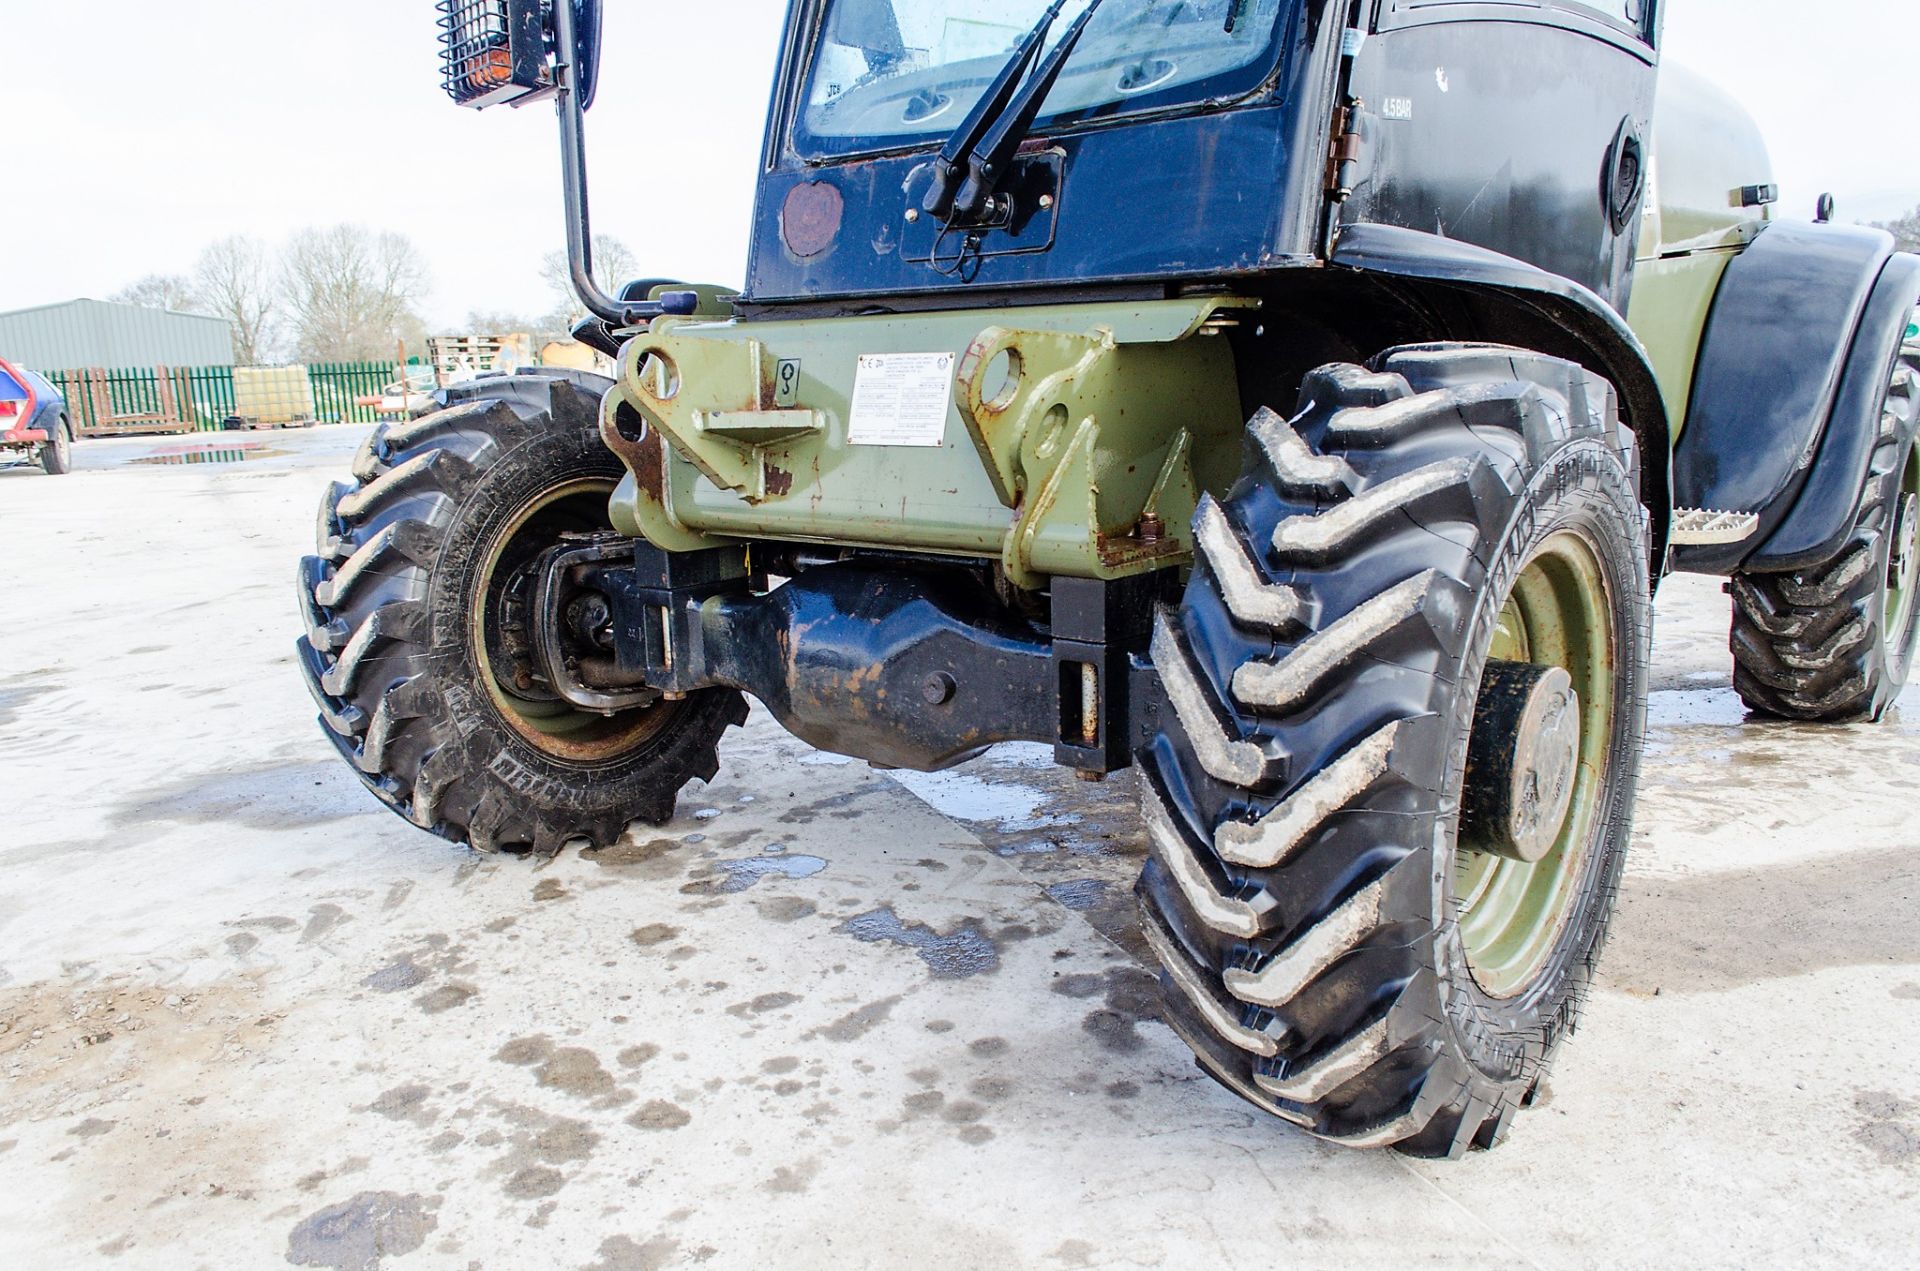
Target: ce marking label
786, 382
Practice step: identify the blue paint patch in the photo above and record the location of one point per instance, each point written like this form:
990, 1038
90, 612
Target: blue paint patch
964, 952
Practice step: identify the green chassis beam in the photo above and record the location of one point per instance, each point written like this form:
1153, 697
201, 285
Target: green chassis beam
1076, 438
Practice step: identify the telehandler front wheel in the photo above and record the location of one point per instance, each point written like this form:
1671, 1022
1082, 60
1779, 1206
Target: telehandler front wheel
1834, 642
1402, 708
416, 645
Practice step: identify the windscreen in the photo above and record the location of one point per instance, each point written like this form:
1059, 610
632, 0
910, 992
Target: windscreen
890, 73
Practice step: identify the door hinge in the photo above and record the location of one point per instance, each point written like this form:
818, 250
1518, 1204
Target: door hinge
1343, 152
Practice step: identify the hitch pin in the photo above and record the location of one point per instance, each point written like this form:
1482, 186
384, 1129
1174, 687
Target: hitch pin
1089, 704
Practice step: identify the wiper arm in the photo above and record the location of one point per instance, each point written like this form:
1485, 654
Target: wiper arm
976, 155
987, 164
949, 168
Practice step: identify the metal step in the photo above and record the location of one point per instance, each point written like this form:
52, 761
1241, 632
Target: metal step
1711, 525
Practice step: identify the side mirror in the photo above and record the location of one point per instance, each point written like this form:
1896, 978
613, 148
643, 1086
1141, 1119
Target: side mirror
587, 21
1823, 211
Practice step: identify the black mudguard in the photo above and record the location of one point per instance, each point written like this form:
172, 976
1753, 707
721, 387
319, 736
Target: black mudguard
1800, 318
1816, 530
1509, 301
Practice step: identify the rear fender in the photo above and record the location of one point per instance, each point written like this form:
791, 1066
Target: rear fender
1816, 530
1787, 320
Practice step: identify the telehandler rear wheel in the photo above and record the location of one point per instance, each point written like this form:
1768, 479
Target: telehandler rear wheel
415, 607
1403, 704
1834, 643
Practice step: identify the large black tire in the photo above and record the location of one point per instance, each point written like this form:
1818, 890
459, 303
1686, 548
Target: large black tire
56, 453
1825, 644
391, 653
1319, 683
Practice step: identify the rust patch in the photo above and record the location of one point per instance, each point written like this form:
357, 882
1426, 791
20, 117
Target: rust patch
810, 218
645, 455
1120, 550
779, 480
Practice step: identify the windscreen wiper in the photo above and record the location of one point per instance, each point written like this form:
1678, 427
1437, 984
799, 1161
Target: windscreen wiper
975, 157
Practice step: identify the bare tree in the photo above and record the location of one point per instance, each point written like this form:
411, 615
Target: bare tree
501, 322
350, 292
234, 280
1905, 230
159, 291
614, 264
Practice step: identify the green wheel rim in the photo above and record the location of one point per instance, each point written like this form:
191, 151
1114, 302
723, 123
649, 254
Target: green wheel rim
1511, 913
549, 724
1903, 558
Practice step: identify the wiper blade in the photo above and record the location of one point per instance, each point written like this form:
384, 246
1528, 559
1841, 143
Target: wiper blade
962, 158
988, 162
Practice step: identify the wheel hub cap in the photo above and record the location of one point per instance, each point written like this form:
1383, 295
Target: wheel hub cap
1522, 759
1906, 537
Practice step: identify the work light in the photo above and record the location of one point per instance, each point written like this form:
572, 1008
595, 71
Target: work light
494, 51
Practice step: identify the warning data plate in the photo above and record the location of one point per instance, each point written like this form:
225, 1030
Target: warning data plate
901, 399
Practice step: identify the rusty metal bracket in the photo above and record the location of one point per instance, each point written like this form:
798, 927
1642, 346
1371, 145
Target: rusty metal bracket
1089, 441
715, 400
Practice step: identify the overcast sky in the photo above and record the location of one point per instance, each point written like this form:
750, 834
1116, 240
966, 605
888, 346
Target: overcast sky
148, 129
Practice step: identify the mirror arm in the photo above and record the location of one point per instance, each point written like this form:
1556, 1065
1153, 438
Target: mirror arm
573, 177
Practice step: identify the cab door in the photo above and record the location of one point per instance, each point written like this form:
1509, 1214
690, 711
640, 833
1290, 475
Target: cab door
1518, 126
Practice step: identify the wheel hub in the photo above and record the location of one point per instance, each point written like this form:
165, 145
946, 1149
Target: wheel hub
1906, 538
1522, 760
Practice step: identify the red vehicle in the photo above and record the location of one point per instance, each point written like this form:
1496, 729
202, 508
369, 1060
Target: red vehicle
33, 421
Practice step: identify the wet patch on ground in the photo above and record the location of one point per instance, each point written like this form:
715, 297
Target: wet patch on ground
275, 798
659, 1114
572, 1070
955, 955
763, 1004
744, 873
624, 1253
1130, 996
1768, 922
16, 698
1889, 1127
240, 453
356, 1234
857, 1023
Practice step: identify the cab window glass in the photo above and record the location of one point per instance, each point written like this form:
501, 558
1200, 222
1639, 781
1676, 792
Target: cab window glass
901, 72
1627, 13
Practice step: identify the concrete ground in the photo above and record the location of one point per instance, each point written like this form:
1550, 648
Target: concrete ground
826, 1017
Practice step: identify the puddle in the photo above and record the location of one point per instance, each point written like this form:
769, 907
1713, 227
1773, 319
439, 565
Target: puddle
1679, 708
963, 952
743, 874
213, 454
965, 797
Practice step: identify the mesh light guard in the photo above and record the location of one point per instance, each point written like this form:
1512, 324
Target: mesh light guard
493, 51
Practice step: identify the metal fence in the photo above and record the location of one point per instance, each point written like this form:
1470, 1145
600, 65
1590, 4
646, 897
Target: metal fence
337, 385
106, 402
